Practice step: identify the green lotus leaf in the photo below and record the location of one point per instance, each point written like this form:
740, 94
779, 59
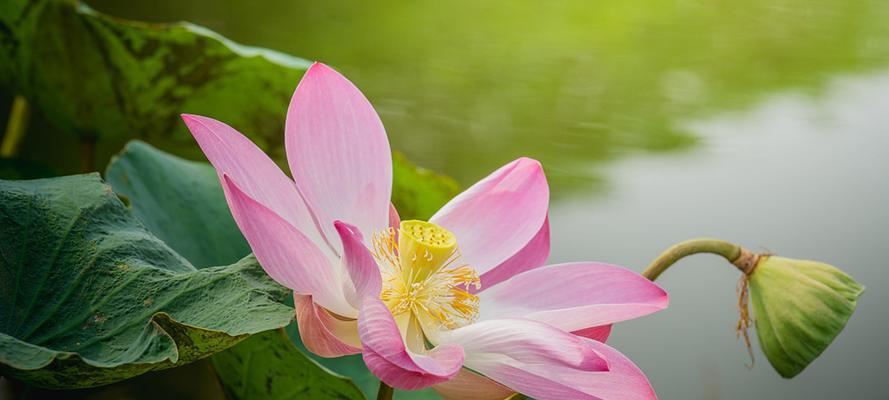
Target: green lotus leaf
179, 201
799, 307
89, 296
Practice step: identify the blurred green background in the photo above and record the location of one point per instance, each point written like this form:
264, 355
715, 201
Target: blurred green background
761, 122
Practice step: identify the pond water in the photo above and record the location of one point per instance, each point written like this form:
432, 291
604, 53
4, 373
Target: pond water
762, 122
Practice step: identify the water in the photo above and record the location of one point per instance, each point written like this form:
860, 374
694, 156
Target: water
760, 122
801, 176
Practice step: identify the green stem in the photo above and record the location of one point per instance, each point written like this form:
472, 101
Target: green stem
729, 251
385, 392
15, 127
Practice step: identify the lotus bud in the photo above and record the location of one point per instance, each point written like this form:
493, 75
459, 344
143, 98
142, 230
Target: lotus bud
799, 307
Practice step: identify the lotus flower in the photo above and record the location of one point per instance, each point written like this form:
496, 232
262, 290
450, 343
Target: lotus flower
421, 300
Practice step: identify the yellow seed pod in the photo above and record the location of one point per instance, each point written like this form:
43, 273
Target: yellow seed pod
423, 248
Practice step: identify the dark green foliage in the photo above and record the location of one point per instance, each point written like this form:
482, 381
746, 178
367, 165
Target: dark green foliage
98, 76
417, 192
268, 366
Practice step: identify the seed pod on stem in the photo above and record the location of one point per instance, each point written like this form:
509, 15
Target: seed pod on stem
798, 306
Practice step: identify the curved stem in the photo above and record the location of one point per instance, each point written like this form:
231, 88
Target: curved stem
385, 392
729, 251
15, 127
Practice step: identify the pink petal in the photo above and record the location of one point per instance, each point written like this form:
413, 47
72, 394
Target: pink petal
622, 381
361, 265
259, 177
525, 341
520, 378
338, 152
322, 333
533, 255
468, 385
499, 215
385, 352
287, 255
574, 296
597, 333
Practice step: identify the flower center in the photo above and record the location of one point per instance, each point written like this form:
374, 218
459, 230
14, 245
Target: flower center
422, 275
